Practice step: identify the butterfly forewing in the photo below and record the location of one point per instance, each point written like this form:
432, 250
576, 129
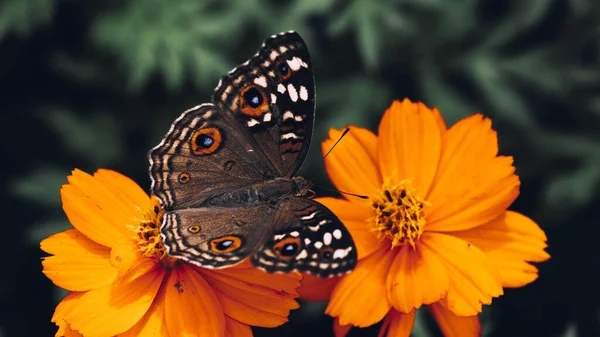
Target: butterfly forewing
273, 95
201, 156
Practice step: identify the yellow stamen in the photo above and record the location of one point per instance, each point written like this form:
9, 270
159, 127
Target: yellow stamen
399, 214
148, 235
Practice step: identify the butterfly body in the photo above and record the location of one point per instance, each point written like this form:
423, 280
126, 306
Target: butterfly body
225, 172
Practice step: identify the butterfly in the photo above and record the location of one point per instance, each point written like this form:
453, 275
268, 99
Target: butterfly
225, 172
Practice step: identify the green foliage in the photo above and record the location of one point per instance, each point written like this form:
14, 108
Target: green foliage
23, 16
100, 82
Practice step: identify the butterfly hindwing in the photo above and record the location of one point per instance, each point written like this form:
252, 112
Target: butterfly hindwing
215, 237
273, 95
308, 238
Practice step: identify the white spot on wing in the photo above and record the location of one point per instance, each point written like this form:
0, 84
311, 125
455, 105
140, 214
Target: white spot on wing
281, 88
292, 92
289, 136
294, 63
303, 254
279, 237
262, 81
298, 118
319, 244
327, 238
287, 115
273, 99
337, 234
295, 234
252, 122
267, 117
306, 241
303, 93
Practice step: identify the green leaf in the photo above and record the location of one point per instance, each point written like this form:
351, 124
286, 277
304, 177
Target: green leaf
97, 137
23, 16
42, 185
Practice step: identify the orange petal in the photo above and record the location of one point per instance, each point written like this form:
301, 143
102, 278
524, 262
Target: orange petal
398, 324
351, 166
64, 329
122, 306
250, 303
127, 258
455, 326
100, 210
153, 323
317, 289
473, 279
234, 328
472, 186
410, 144
417, 276
191, 306
360, 298
354, 215
78, 263
509, 242
340, 330
126, 189
355, 209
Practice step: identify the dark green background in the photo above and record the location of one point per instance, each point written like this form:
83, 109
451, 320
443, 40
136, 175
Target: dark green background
95, 84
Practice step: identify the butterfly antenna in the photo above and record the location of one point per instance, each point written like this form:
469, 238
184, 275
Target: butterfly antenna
336, 143
326, 154
347, 193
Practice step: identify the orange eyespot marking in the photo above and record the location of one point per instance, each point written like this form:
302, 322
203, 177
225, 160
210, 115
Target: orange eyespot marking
226, 244
205, 141
284, 70
287, 248
253, 101
194, 229
184, 178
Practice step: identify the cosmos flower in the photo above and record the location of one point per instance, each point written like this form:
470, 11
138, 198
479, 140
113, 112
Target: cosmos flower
435, 230
122, 283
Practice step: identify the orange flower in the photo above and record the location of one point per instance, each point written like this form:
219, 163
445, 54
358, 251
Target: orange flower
435, 230
122, 283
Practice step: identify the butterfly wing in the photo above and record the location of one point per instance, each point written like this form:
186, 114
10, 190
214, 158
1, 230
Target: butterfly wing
273, 96
201, 156
309, 238
215, 237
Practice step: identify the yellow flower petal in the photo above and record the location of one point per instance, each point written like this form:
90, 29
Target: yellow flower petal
409, 145
509, 242
127, 258
472, 186
78, 263
365, 285
473, 280
416, 277
191, 306
98, 211
351, 165
122, 306
234, 328
398, 324
455, 326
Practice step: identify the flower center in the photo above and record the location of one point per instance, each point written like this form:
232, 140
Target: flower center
148, 235
399, 214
